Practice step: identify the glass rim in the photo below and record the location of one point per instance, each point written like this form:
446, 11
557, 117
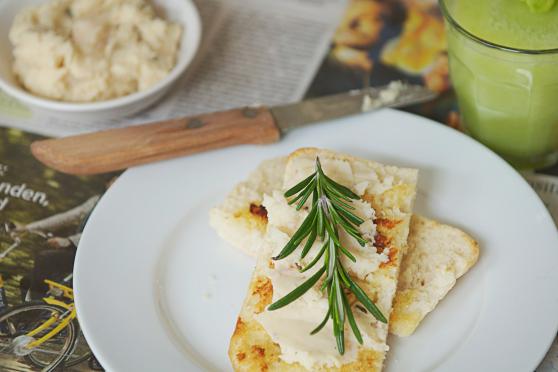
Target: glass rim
463, 31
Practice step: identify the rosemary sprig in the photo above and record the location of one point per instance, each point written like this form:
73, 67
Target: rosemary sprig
331, 210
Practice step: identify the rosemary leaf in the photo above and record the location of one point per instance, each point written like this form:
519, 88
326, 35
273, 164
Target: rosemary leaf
332, 261
309, 188
299, 186
309, 242
316, 259
339, 298
347, 253
351, 319
336, 195
350, 216
337, 326
320, 228
367, 302
305, 196
344, 279
358, 238
297, 292
342, 189
332, 234
322, 324
348, 227
304, 230
340, 310
341, 201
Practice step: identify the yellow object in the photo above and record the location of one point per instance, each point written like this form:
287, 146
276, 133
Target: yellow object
67, 291
361, 24
422, 40
63, 320
353, 58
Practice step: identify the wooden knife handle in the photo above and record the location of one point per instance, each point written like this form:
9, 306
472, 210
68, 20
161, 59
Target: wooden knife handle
121, 148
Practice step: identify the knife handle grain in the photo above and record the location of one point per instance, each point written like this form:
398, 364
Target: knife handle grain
121, 148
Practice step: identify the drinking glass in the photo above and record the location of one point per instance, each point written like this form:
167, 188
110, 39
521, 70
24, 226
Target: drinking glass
507, 97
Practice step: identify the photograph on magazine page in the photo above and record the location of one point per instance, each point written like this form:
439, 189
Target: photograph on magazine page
42, 213
381, 41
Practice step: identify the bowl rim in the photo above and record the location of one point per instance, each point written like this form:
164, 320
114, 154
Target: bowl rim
194, 28
461, 29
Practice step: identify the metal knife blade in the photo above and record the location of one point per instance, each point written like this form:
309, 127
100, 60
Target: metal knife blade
396, 94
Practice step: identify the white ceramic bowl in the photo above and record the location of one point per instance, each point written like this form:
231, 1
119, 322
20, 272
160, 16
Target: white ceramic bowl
180, 11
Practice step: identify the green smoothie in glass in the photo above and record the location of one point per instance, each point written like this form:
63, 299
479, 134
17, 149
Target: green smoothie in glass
504, 68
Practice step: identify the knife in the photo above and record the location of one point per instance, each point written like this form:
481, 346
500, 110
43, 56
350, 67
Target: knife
116, 149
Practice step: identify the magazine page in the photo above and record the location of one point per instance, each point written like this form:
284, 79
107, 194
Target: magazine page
378, 42
252, 52
42, 213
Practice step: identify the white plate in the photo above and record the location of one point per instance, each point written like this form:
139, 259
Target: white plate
157, 290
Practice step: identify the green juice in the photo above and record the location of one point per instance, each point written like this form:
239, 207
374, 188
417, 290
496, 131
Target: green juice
505, 73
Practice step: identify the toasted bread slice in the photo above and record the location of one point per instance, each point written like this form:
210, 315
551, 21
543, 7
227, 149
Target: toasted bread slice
437, 256
390, 191
241, 220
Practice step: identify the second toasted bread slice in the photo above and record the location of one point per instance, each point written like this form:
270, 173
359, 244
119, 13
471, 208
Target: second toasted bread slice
437, 256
